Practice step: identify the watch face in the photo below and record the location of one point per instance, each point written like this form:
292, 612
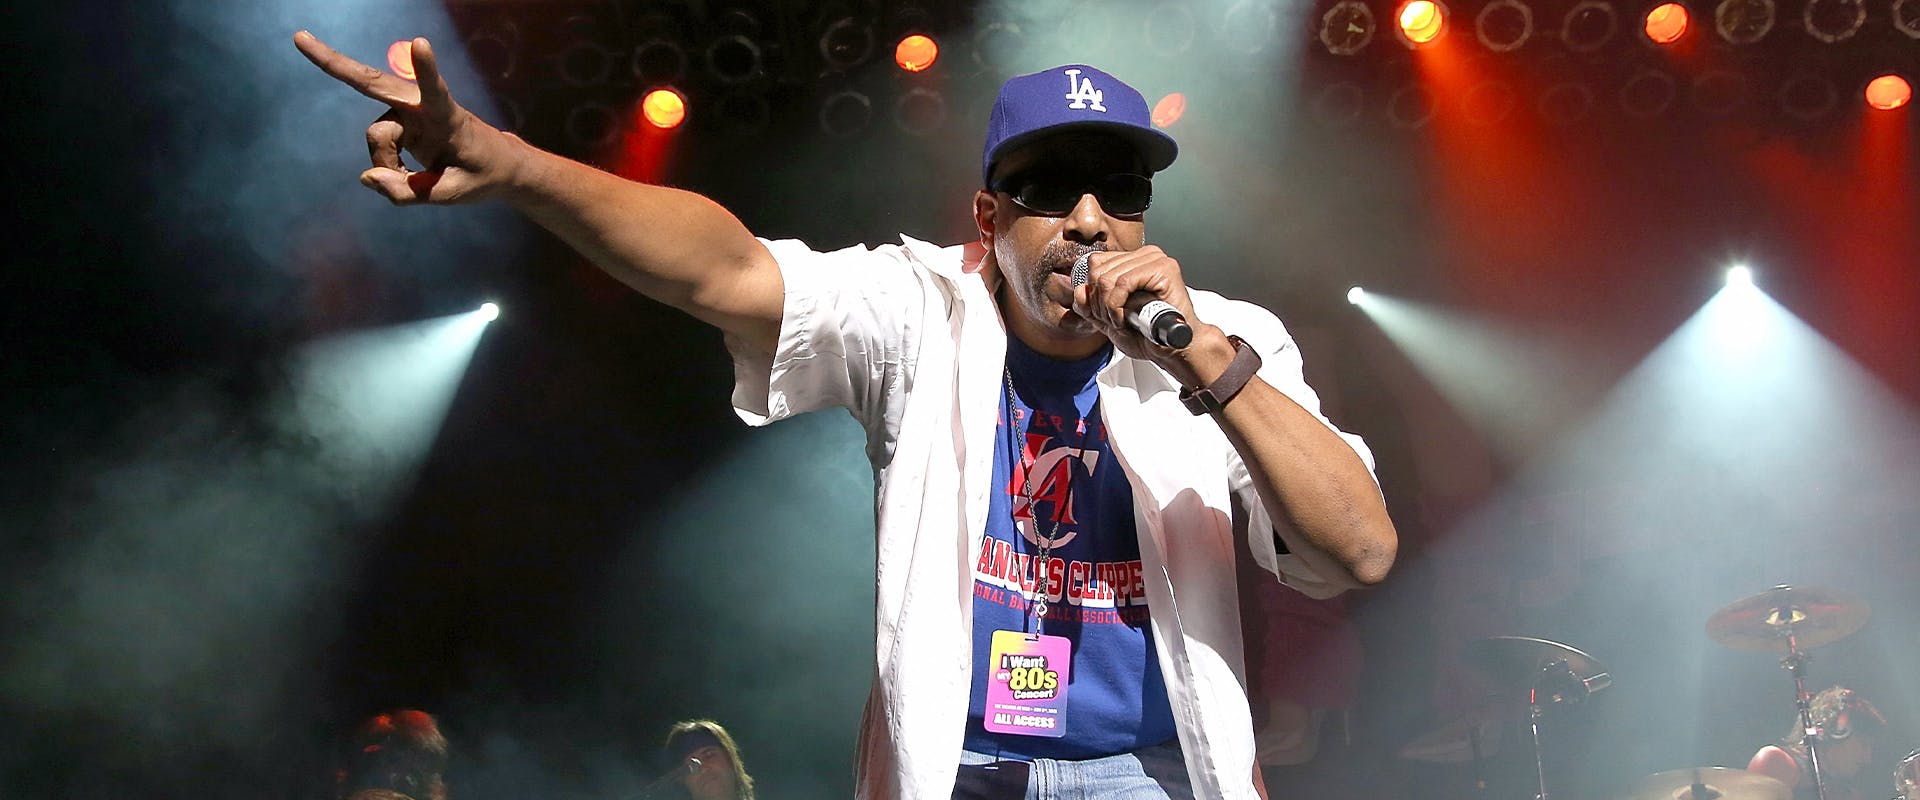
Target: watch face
1346, 28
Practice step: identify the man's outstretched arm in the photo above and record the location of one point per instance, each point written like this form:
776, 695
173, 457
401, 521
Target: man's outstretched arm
674, 246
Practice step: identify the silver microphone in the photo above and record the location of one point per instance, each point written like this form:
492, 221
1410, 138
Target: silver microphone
693, 765
1154, 318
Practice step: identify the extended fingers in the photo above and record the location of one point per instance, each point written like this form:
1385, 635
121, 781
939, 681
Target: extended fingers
364, 79
435, 98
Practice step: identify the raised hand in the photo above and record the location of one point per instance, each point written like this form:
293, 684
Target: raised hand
465, 158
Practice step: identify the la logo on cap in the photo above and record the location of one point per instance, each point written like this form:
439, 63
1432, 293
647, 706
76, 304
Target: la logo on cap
1081, 92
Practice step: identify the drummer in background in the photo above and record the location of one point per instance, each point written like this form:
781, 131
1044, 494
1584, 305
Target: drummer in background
1847, 726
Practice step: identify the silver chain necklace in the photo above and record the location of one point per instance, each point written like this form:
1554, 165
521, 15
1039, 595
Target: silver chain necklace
1038, 609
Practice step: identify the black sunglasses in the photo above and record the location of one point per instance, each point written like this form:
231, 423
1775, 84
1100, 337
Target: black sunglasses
1055, 191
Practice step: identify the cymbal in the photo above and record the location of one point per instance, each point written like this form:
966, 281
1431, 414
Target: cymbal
1517, 663
1715, 783
1469, 736
1761, 622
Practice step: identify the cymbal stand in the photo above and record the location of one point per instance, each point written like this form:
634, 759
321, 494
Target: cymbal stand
1479, 776
1553, 681
1533, 723
1795, 663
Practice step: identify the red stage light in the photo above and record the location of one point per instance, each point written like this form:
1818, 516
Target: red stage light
916, 53
664, 108
1888, 92
1422, 21
1169, 110
400, 58
1666, 23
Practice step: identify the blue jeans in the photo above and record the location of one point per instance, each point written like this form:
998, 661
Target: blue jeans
1150, 773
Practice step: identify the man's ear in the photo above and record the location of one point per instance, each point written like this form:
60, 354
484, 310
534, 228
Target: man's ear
984, 207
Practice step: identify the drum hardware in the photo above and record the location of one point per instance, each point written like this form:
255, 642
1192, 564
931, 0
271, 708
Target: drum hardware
1788, 619
1550, 674
1471, 737
1708, 783
1906, 777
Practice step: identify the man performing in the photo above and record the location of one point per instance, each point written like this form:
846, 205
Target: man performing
1057, 495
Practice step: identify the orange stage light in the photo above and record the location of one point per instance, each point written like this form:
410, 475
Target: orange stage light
916, 53
400, 58
1666, 23
1169, 110
1888, 92
664, 108
1422, 21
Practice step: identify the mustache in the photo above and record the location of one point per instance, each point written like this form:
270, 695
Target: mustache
1059, 256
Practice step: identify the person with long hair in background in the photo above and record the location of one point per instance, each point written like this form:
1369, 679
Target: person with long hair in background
711, 760
1845, 726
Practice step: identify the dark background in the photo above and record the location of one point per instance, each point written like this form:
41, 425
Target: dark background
202, 595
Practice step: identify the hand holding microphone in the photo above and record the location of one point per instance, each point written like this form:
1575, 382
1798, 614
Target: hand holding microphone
1156, 320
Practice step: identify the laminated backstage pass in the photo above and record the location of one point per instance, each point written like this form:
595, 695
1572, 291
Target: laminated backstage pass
1027, 684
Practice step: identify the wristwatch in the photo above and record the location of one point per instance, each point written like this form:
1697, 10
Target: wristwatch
1211, 399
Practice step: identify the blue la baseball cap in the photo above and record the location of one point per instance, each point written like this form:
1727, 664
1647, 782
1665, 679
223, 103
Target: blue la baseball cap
1072, 97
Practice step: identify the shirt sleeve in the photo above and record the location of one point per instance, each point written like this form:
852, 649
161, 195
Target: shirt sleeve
1281, 367
848, 331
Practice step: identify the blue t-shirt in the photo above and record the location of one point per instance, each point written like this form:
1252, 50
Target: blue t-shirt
1052, 444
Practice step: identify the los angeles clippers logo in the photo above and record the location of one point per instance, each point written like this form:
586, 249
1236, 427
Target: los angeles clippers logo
1048, 480
1081, 92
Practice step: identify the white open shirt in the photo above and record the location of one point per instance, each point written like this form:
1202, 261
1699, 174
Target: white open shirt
907, 338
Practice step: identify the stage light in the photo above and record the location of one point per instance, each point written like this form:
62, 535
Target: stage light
741, 113
1410, 107
659, 61
592, 125
846, 43
1743, 21
1740, 275
1906, 17
1339, 104
1356, 295
1806, 96
1347, 27
400, 58
1889, 92
1249, 26
1833, 21
845, 113
916, 53
664, 108
733, 58
494, 49
920, 111
1421, 22
1589, 25
1504, 25
1648, 93
488, 312
1666, 23
1169, 110
996, 44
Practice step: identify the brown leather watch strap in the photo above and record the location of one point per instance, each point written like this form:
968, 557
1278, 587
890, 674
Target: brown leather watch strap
1210, 400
